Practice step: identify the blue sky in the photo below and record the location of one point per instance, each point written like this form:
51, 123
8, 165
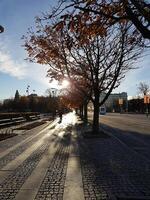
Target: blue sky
16, 73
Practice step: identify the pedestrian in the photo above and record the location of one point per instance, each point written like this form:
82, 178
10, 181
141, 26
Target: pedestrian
60, 116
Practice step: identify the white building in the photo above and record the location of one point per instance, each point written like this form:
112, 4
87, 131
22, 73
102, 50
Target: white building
112, 103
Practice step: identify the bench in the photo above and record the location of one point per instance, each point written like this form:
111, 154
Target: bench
5, 122
18, 120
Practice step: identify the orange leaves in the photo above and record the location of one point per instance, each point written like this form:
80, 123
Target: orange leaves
89, 2
95, 29
59, 26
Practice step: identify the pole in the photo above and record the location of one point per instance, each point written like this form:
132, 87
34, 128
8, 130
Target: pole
147, 111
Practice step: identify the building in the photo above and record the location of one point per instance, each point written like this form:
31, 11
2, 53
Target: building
112, 103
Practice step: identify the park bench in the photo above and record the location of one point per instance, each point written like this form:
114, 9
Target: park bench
18, 120
11, 121
5, 122
7, 125
34, 117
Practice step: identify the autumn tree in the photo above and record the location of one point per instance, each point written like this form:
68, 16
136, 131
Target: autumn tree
23, 104
135, 11
94, 59
74, 98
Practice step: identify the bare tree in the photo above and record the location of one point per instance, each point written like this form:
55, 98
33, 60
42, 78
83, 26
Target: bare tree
143, 88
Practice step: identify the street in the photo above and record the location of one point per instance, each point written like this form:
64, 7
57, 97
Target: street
132, 129
129, 122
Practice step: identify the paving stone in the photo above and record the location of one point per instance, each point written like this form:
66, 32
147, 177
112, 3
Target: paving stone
11, 185
52, 186
17, 151
109, 168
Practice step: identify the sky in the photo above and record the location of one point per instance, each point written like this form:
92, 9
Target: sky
16, 16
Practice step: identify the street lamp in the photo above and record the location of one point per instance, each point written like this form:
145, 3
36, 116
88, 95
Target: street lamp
27, 90
53, 92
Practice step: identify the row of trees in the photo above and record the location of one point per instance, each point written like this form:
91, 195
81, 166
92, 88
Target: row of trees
82, 44
136, 105
31, 103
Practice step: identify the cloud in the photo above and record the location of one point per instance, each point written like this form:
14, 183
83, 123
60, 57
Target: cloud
11, 67
23, 69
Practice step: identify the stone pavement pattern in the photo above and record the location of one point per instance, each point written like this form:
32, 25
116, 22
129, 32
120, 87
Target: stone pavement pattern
109, 168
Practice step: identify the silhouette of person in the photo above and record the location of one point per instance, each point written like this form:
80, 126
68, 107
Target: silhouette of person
60, 116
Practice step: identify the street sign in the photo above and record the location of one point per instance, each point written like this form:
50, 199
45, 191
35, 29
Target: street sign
120, 101
146, 99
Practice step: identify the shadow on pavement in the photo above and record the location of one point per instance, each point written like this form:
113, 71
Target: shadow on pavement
110, 170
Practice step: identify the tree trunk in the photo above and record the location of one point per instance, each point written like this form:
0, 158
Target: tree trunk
81, 111
85, 112
96, 115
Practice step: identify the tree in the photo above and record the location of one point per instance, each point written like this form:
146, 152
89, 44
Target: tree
73, 98
16, 100
23, 103
143, 88
8, 105
136, 105
94, 60
16, 96
135, 11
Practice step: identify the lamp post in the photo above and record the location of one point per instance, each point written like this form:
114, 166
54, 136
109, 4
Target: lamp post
27, 90
53, 92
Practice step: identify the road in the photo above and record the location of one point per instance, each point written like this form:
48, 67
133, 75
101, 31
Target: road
127, 122
132, 129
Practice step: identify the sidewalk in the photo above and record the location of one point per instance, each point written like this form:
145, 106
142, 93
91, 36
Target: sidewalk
111, 170
66, 166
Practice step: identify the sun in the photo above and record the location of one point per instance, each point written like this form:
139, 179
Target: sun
65, 83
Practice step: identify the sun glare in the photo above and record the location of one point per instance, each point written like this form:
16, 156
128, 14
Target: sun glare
65, 83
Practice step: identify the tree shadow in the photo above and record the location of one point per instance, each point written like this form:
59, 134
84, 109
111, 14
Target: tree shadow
111, 170
137, 141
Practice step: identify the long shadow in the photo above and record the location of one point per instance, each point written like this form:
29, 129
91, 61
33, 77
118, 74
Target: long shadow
110, 170
139, 142
52, 186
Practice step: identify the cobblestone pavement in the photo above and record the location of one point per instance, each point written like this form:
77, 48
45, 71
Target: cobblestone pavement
111, 170
52, 186
17, 151
54, 180
11, 185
